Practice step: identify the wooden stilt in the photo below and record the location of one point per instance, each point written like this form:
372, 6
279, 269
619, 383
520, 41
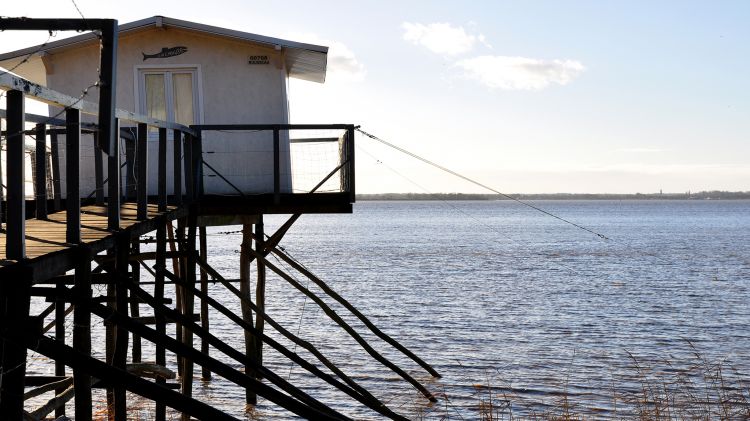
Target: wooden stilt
205, 372
120, 355
188, 304
14, 308
135, 311
82, 335
260, 287
60, 337
160, 266
247, 313
177, 290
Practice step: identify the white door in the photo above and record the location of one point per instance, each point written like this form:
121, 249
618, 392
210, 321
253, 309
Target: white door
168, 94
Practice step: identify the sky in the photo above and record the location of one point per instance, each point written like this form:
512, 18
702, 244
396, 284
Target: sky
523, 96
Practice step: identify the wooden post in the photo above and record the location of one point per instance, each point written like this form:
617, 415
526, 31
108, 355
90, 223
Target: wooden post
142, 166
247, 313
15, 228
205, 372
40, 171
276, 167
177, 164
260, 287
82, 334
72, 175
14, 307
131, 192
188, 164
99, 171
160, 266
162, 167
108, 126
56, 187
113, 183
1, 187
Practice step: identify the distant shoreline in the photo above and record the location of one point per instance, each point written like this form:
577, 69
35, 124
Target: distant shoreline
703, 195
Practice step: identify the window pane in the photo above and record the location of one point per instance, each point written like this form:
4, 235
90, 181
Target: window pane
156, 103
182, 85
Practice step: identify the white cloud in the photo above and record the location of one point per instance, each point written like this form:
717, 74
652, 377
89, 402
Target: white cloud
342, 62
441, 38
520, 73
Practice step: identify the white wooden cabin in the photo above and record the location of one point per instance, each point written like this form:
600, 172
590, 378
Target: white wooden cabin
190, 73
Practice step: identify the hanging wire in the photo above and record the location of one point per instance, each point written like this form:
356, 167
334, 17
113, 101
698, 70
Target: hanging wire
477, 183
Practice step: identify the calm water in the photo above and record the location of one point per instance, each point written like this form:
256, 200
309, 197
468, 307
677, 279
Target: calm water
497, 294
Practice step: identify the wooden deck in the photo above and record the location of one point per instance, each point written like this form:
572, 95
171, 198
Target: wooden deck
45, 238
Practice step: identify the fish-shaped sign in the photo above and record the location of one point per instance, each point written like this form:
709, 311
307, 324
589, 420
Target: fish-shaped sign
166, 52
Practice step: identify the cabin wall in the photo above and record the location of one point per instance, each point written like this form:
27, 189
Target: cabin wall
231, 91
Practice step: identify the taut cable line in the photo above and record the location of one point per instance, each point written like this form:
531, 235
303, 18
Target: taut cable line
477, 183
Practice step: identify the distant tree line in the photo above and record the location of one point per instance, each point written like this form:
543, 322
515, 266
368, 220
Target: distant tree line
702, 195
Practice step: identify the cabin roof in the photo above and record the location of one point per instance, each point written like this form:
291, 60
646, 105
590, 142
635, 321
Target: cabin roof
303, 61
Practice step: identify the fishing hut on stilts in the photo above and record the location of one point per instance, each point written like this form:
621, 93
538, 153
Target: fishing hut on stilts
182, 126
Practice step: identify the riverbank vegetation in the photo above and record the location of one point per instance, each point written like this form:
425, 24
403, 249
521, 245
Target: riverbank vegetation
652, 390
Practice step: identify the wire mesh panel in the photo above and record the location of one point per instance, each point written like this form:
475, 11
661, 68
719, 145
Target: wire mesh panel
315, 154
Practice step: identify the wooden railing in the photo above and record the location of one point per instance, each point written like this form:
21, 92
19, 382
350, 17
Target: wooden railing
184, 138
344, 165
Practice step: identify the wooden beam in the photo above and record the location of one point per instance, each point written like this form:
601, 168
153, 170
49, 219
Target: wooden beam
231, 374
93, 367
344, 325
333, 294
354, 389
